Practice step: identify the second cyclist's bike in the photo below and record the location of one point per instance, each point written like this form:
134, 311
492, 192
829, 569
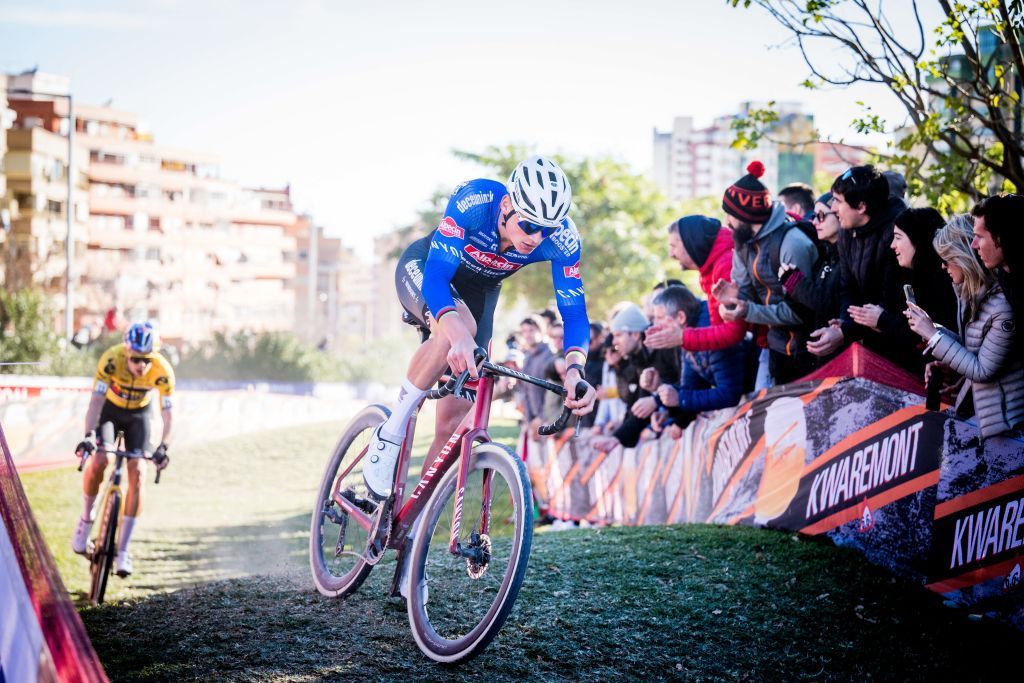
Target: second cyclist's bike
102, 550
463, 534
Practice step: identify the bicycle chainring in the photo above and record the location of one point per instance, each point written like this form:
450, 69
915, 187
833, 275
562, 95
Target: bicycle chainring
380, 535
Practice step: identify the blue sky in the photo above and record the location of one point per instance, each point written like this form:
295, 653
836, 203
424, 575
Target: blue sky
359, 104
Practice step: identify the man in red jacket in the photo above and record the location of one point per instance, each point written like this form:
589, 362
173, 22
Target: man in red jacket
700, 243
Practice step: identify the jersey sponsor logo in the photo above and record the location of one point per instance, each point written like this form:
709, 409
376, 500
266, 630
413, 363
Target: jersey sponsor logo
413, 269
570, 293
441, 246
449, 228
566, 239
467, 203
572, 271
489, 260
161, 380
110, 367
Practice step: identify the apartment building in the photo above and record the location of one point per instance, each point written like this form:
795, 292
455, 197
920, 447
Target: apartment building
692, 162
164, 236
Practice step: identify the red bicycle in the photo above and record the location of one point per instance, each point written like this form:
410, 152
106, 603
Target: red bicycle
463, 535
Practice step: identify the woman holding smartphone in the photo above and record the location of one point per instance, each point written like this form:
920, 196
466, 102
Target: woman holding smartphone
981, 352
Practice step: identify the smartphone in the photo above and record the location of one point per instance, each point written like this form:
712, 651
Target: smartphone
908, 292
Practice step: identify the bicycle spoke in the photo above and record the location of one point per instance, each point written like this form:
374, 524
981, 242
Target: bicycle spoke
461, 600
343, 515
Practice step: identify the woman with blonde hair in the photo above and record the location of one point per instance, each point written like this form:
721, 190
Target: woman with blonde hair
982, 351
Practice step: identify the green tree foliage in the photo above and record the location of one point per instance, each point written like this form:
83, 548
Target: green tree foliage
959, 82
25, 332
27, 336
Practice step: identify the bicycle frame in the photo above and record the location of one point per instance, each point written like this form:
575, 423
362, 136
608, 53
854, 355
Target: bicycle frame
473, 428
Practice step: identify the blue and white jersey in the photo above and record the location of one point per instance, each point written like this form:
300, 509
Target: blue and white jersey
467, 242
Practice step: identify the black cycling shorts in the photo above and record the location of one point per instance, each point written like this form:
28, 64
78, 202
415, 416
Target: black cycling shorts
480, 298
134, 424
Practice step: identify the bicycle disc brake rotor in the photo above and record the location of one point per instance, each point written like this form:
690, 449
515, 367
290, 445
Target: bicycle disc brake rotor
476, 567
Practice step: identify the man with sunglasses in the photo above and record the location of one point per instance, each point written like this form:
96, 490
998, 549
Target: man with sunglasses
448, 283
126, 376
869, 275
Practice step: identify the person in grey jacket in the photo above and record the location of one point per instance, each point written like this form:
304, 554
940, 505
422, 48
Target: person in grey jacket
765, 238
982, 352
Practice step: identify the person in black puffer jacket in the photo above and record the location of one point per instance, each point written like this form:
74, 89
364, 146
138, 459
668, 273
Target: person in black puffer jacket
816, 299
869, 272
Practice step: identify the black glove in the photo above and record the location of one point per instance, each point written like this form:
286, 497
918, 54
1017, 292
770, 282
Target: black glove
86, 446
160, 457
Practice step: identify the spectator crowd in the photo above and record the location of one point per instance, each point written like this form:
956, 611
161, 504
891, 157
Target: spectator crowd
787, 284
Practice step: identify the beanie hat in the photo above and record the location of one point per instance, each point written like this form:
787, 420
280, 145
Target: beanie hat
748, 199
698, 234
630, 319
825, 199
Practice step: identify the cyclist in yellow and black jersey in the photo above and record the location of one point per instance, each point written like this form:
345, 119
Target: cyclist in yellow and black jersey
126, 377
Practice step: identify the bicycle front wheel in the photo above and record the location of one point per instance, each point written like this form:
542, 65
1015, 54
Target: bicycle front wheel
105, 548
337, 544
458, 604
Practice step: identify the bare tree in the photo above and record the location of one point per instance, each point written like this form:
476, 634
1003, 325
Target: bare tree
959, 82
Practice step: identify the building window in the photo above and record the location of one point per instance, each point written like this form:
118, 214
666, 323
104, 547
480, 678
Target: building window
53, 207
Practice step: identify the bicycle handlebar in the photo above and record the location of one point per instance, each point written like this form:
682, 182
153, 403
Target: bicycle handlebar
127, 454
456, 386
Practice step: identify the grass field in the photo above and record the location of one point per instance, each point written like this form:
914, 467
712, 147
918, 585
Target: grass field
222, 592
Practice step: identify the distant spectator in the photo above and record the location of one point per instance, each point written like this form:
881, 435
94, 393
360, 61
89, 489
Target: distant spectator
702, 244
798, 198
999, 241
113, 321
710, 379
764, 239
627, 332
593, 369
549, 317
611, 409
897, 184
536, 358
869, 272
816, 298
983, 350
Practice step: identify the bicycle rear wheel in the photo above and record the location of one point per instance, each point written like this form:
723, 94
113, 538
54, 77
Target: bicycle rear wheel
336, 546
105, 548
457, 605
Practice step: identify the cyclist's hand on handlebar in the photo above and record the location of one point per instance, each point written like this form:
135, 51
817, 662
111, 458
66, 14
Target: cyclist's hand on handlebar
584, 404
160, 457
87, 446
460, 358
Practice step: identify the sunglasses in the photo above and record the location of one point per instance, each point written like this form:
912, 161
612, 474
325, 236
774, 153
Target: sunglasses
858, 175
140, 360
820, 216
532, 228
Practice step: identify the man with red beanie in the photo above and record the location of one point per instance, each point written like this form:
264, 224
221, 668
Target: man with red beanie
764, 237
702, 244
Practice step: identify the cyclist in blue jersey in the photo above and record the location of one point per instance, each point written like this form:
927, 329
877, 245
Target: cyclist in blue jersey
448, 283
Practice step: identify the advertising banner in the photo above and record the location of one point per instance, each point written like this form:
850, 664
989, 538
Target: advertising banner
863, 463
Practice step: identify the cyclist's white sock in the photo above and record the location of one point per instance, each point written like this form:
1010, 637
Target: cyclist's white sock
408, 398
89, 501
127, 524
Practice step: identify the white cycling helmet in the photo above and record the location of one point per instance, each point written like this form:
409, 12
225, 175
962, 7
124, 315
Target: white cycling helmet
540, 192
